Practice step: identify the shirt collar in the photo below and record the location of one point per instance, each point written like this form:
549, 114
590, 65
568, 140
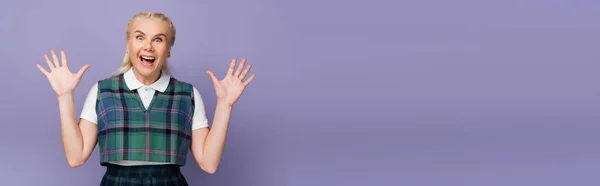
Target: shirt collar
133, 83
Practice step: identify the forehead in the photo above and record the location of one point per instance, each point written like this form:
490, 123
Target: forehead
149, 26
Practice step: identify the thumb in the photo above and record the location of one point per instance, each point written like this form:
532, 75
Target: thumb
82, 70
212, 77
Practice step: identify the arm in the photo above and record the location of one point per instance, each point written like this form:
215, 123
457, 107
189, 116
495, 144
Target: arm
79, 140
208, 144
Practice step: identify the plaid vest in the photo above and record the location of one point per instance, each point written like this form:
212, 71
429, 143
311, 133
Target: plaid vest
128, 131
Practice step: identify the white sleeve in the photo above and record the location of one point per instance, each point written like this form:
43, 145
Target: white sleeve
89, 106
199, 120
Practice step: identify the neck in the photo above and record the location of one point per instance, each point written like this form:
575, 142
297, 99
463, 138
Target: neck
147, 80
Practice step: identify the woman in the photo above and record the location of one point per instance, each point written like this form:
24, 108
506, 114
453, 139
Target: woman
144, 120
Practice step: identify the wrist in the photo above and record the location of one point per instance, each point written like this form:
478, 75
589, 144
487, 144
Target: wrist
224, 104
65, 95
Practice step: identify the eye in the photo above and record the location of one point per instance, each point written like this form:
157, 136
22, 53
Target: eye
139, 38
158, 40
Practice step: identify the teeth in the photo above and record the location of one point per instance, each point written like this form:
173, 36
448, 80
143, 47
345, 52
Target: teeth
148, 58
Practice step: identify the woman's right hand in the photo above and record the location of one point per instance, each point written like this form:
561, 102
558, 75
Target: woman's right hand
62, 80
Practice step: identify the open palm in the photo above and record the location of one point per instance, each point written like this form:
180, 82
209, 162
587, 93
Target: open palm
62, 80
230, 88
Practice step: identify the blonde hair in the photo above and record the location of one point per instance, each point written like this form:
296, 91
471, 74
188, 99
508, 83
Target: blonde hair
127, 64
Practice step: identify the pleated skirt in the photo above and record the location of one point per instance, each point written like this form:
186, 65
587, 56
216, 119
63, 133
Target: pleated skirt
144, 175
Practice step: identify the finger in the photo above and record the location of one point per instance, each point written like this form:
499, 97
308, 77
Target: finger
42, 69
49, 62
63, 56
240, 67
82, 70
243, 75
249, 79
55, 58
231, 66
212, 77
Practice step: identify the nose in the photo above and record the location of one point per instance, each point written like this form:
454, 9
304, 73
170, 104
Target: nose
148, 45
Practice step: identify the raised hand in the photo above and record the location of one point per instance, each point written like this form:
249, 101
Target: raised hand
230, 88
60, 77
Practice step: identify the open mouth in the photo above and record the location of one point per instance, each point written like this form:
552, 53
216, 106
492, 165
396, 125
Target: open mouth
147, 60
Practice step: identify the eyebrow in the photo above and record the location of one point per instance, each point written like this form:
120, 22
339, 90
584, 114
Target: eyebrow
161, 34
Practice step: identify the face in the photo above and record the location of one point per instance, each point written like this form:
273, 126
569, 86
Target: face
148, 47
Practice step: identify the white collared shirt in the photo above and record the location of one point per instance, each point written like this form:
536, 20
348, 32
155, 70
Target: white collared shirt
146, 93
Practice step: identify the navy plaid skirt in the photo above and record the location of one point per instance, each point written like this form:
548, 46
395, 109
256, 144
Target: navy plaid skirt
144, 175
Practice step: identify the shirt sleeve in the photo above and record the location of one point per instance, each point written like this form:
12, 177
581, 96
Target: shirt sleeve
199, 120
89, 106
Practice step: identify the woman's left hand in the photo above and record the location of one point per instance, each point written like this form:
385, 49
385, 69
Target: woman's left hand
230, 88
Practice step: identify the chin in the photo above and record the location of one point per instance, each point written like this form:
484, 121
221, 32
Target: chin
145, 68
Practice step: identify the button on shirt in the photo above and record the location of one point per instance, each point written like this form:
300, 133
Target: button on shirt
146, 93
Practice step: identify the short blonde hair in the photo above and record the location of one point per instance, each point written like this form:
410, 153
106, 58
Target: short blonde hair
127, 64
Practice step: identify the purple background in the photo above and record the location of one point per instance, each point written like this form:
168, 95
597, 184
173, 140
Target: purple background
414, 92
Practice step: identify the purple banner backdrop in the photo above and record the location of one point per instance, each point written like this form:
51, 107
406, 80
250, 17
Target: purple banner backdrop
353, 93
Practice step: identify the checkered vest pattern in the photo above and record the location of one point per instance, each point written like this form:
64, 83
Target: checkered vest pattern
128, 131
